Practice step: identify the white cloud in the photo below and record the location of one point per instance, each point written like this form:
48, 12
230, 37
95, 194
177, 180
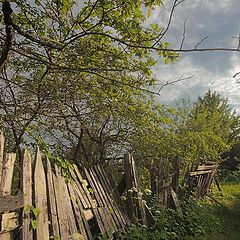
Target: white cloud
213, 70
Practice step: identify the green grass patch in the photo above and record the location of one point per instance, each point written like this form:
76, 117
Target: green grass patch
212, 218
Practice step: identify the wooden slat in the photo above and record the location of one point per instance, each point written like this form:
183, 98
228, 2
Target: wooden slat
7, 174
11, 203
206, 167
27, 194
110, 198
85, 196
109, 217
84, 190
10, 221
40, 196
196, 173
78, 212
99, 221
69, 211
113, 189
175, 201
61, 206
6, 184
1, 154
93, 186
52, 201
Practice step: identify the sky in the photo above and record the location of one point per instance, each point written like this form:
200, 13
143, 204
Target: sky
219, 20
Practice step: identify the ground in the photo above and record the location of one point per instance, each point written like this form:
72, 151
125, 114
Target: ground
228, 210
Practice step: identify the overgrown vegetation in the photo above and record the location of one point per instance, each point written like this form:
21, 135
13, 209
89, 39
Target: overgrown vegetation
215, 217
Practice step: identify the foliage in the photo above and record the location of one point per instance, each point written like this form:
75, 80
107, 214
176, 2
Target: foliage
172, 226
208, 130
79, 75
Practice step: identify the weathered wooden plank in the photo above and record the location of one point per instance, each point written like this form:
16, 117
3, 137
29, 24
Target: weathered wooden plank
95, 190
77, 212
99, 221
196, 173
1, 154
10, 221
26, 182
40, 196
109, 197
175, 179
61, 206
175, 201
109, 215
52, 201
7, 174
107, 221
85, 195
206, 167
6, 183
69, 211
11, 203
113, 189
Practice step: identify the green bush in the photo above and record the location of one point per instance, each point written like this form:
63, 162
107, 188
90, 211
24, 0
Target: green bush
198, 219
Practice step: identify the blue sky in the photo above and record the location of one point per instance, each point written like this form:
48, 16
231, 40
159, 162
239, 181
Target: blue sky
220, 21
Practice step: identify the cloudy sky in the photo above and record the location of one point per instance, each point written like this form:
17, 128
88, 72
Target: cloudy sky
219, 20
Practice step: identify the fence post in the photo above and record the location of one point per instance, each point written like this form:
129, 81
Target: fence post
175, 179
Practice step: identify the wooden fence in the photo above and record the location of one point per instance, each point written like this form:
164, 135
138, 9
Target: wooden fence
51, 207
86, 203
200, 179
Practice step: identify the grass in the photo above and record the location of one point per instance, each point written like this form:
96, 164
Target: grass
227, 209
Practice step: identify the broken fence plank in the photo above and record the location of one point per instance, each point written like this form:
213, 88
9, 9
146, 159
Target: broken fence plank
10, 221
11, 203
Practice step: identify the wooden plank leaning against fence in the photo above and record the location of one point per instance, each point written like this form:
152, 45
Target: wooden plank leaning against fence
51, 206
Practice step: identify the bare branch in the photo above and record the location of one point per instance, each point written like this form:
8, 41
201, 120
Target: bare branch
201, 42
180, 79
175, 4
184, 34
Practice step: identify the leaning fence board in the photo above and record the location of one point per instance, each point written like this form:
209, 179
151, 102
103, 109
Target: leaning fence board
109, 196
84, 190
40, 195
112, 192
106, 201
85, 196
27, 196
52, 201
77, 211
94, 188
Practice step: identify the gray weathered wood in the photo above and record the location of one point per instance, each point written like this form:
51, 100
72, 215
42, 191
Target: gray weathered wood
27, 194
52, 201
1, 154
6, 185
11, 203
61, 206
40, 196
7, 174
